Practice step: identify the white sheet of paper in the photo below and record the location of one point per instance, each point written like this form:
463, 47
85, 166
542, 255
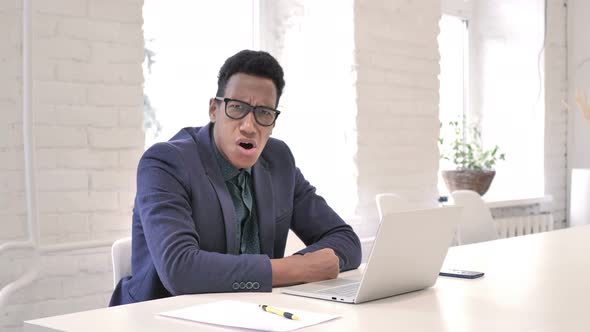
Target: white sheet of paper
247, 315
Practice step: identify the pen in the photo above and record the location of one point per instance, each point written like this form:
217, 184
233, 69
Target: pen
276, 311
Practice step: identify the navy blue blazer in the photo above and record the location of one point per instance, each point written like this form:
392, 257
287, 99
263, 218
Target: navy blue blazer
184, 222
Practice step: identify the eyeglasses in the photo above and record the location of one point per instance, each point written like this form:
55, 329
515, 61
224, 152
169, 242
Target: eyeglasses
237, 109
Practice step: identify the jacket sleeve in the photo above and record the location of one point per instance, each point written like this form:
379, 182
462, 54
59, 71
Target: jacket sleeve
163, 203
318, 226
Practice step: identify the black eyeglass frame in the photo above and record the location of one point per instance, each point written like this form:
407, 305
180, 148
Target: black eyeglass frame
252, 109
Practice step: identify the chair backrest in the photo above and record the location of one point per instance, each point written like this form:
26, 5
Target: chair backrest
121, 254
477, 224
580, 197
390, 202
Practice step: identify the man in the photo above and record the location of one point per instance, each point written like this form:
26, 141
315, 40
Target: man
214, 204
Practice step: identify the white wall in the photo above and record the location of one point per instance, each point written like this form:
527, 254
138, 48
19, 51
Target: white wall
397, 100
578, 63
578, 69
556, 90
12, 179
86, 141
459, 8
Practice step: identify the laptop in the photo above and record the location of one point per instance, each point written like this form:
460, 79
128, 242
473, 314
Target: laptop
407, 255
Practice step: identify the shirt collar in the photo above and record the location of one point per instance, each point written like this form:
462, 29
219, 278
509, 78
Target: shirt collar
227, 170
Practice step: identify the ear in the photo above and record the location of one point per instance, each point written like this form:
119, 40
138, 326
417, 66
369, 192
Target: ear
213, 109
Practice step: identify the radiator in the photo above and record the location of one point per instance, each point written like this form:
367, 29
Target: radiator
523, 225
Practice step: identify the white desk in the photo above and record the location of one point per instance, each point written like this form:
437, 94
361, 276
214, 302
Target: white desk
538, 282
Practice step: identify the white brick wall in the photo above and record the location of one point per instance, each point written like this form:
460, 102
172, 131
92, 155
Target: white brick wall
79, 116
115, 138
397, 100
555, 113
114, 53
84, 158
12, 180
73, 8
578, 80
58, 93
70, 281
87, 110
113, 10
96, 49
578, 63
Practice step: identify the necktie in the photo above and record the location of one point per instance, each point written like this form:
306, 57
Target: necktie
247, 225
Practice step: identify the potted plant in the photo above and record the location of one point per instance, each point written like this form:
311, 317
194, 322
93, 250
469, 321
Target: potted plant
474, 164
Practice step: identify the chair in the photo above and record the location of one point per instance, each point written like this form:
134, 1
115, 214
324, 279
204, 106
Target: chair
477, 224
390, 202
121, 254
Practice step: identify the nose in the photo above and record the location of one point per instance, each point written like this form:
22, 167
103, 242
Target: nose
248, 124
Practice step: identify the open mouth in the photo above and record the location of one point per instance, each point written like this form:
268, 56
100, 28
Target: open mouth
247, 146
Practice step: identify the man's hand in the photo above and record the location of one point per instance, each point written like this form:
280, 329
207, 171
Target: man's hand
313, 266
320, 265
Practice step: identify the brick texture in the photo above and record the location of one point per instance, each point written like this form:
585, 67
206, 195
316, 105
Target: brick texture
12, 179
397, 101
87, 109
555, 153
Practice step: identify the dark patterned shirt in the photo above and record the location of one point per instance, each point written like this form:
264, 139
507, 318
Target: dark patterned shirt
239, 185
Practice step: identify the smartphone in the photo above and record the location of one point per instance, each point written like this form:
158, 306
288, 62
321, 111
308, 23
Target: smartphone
461, 274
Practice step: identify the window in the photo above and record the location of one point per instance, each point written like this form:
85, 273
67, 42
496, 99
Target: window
503, 94
318, 119
454, 79
189, 40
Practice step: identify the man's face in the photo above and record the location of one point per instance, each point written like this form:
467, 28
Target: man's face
241, 141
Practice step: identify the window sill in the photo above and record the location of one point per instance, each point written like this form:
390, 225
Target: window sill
493, 203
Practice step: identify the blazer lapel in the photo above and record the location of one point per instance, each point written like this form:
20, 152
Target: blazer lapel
216, 178
264, 206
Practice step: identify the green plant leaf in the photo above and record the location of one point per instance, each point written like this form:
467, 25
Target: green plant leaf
468, 153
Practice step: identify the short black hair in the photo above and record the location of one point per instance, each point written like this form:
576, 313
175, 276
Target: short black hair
255, 63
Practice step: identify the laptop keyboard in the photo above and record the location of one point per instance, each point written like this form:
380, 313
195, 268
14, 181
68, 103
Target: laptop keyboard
346, 290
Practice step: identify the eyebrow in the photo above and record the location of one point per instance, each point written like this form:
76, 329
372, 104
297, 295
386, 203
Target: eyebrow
239, 99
